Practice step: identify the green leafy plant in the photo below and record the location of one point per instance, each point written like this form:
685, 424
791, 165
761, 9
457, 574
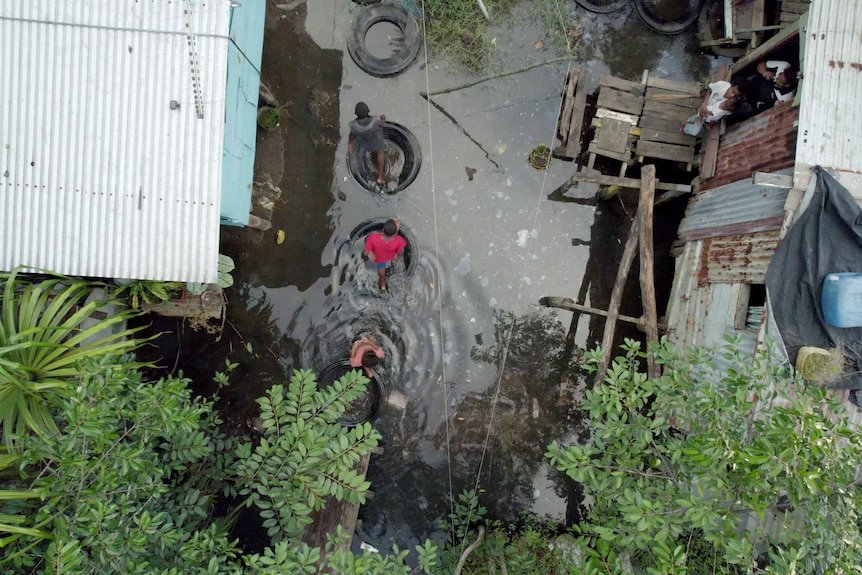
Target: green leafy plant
540, 157
126, 485
692, 464
42, 340
304, 456
151, 292
225, 280
268, 117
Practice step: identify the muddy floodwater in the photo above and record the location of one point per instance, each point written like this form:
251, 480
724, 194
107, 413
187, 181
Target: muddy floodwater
487, 373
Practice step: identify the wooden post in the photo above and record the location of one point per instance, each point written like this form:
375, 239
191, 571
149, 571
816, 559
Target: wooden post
647, 278
616, 297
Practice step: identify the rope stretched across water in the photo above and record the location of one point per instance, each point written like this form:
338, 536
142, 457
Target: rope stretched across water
510, 330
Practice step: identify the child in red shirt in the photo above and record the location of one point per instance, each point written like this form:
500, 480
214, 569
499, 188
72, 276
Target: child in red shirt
382, 247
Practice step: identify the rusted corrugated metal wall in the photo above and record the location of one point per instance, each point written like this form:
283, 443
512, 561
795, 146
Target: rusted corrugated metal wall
764, 143
738, 259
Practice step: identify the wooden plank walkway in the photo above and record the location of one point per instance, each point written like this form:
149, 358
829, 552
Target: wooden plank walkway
667, 105
619, 104
572, 114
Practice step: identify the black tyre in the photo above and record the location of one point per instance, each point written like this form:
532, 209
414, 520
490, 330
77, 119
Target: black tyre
411, 252
402, 163
365, 408
668, 16
602, 6
406, 49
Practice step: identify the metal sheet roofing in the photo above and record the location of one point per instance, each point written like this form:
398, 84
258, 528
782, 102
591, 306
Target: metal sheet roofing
738, 208
830, 118
112, 126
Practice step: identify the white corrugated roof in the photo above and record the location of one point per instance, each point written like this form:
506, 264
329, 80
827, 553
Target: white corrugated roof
830, 117
99, 176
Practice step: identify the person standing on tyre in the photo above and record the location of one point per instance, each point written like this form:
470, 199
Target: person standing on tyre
382, 247
367, 130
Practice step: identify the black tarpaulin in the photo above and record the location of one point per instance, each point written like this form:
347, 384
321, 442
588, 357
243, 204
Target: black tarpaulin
826, 238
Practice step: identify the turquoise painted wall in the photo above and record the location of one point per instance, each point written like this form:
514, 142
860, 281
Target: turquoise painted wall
245, 53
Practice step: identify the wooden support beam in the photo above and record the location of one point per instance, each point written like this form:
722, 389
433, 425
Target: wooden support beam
774, 180
616, 298
569, 304
603, 180
647, 279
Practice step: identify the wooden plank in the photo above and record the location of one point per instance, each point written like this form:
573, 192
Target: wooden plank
620, 101
614, 136
774, 180
758, 8
614, 305
633, 130
765, 49
710, 154
652, 135
663, 124
568, 104
569, 304
604, 180
616, 155
671, 152
692, 88
647, 268
728, 20
795, 7
604, 113
573, 141
671, 97
335, 513
669, 111
634, 88
209, 306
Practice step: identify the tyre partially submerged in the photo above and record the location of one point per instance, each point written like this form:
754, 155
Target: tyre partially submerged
668, 16
362, 409
405, 48
411, 253
602, 6
402, 163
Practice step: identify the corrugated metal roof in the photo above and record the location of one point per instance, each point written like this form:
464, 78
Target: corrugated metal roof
739, 259
100, 174
830, 119
731, 209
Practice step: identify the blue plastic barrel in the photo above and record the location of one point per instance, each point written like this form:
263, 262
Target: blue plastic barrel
841, 299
